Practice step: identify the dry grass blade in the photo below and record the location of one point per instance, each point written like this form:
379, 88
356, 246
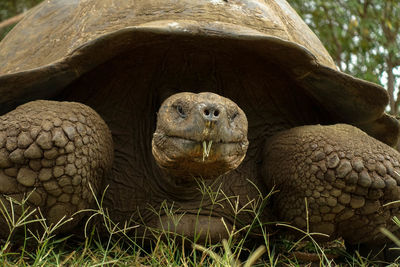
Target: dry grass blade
209, 252
255, 256
206, 149
390, 236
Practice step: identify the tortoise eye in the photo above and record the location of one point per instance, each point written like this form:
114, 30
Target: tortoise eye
233, 117
180, 110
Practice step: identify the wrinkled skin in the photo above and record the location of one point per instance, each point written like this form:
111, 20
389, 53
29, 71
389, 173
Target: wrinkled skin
346, 175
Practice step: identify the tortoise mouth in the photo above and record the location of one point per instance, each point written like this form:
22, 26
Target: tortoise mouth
207, 150
199, 140
186, 157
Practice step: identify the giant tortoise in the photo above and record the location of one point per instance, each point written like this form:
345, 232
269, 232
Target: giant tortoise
197, 106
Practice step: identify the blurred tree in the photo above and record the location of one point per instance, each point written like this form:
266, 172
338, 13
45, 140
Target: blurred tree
11, 8
362, 36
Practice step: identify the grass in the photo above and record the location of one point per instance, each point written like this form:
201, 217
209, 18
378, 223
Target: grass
44, 247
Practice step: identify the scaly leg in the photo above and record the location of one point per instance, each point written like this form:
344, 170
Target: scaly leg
52, 151
346, 176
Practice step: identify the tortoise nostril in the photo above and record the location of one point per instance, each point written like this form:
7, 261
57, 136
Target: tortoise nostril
210, 112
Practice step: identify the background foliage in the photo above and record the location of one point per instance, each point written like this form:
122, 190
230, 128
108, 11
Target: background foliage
361, 35
11, 8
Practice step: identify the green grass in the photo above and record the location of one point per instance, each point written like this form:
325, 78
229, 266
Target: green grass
26, 247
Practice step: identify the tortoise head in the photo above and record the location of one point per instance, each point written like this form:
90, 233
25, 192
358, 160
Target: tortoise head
199, 135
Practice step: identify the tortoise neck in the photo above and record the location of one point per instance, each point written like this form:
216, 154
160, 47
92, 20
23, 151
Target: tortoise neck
182, 189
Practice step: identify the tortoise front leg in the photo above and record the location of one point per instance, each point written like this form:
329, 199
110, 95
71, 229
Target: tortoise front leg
346, 176
53, 151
